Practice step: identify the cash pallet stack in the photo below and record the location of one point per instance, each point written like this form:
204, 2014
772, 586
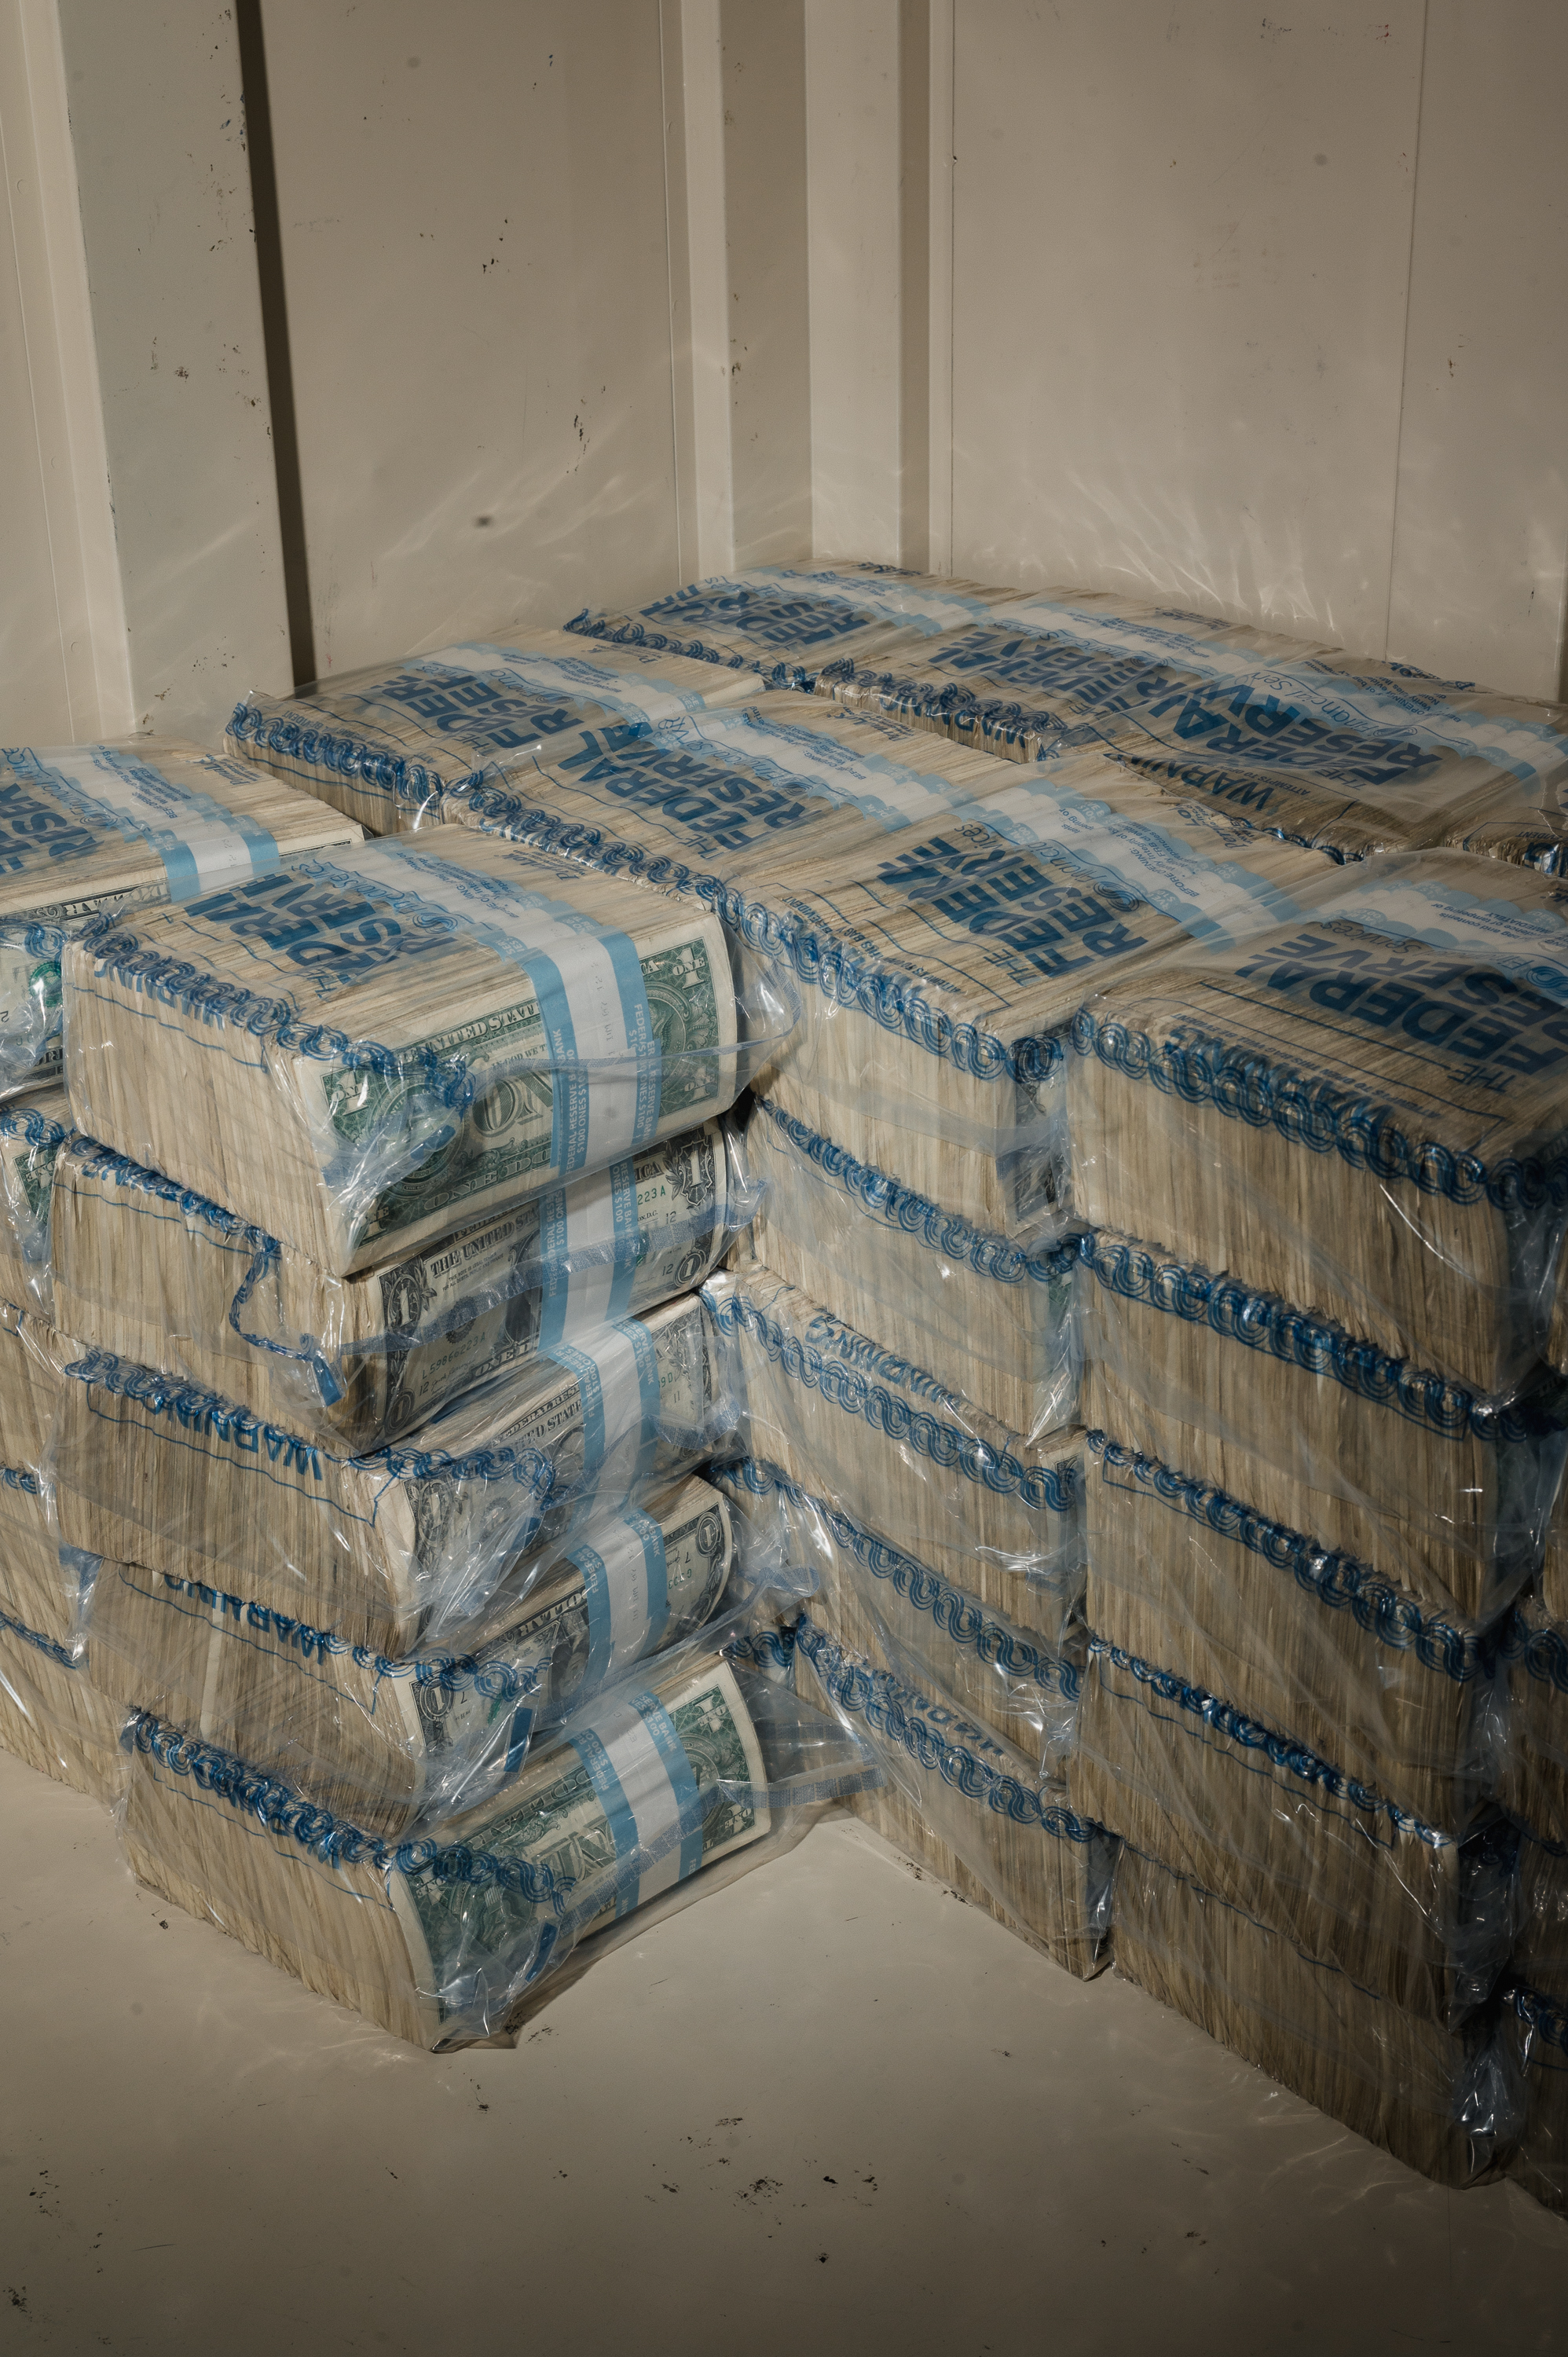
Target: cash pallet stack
1115, 1344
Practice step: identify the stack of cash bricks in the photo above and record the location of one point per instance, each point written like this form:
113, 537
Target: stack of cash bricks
1319, 1166
361, 1388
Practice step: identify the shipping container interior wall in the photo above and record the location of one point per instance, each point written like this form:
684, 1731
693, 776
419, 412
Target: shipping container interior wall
541, 302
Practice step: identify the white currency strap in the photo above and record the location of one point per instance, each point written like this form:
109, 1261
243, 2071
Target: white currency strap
572, 676
622, 1549
590, 1231
583, 961
1137, 857
1530, 945
864, 780
218, 848
651, 1796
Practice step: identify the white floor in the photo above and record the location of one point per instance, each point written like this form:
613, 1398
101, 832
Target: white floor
829, 2110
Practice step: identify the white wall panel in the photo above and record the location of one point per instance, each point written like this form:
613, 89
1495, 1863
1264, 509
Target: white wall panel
1181, 237
158, 129
1482, 525
472, 205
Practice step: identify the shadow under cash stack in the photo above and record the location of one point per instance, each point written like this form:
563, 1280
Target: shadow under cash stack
90, 828
388, 744
668, 1782
1338, 752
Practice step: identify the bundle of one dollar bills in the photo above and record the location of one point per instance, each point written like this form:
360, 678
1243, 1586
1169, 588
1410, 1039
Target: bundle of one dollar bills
392, 1548
153, 1271
388, 744
389, 1740
86, 828
663, 1780
379, 1048
1335, 751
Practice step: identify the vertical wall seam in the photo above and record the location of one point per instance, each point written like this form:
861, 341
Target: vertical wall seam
1404, 345
670, 294
38, 431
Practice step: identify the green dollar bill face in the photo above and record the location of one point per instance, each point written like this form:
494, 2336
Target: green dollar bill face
558, 1822
504, 1138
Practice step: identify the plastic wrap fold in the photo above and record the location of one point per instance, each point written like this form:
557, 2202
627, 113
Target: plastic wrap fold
1536, 2028
32, 1131
392, 1549
967, 1803
155, 1273
390, 743
372, 1051
53, 1716
389, 1740
883, 1440
443, 1940
86, 828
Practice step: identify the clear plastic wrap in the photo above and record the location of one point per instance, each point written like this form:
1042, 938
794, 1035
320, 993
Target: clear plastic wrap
393, 1549
32, 1131
92, 827
37, 1586
1407, 1911
1442, 2101
881, 1440
1022, 1681
152, 1271
388, 744
1399, 1698
372, 1052
1361, 1111
794, 625
1536, 2028
1447, 1495
32, 1354
444, 1939
392, 1741
1346, 754
995, 1316
968, 1803
53, 1716
1541, 1945
1531, 1651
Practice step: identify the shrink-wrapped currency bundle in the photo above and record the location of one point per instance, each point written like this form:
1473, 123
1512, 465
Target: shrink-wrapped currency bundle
1292, 1635
444, 1939
1407, 1911
1363, 1111
373, 1051
1020, 1679
87, 828
37, 1586
52, 1715
1531, 1648
882, 1439
991, 1315
32, 1354
1535, 2026
387, 1740
152, 1271
1541, 1945
1446, 1494
793, 625
1335, 752
968, 1804
388, 1550
1438, 2100
32, 1131
388, 744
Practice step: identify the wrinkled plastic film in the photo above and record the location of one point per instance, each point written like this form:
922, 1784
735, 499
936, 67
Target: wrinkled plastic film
441, 1940
158, 1275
